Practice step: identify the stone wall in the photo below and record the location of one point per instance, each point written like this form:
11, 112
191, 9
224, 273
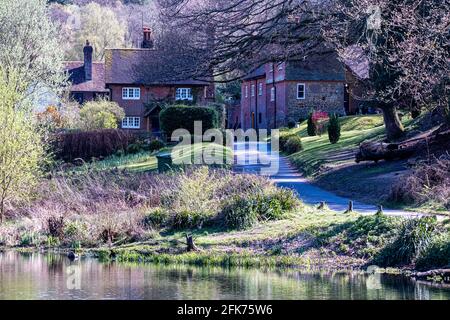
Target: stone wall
325, 96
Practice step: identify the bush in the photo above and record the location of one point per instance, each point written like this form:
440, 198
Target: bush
293, 145
283, 139
157, 217
156, 145
240, 214
428, 184
245, 210
100, 114
437, 255
413, 239
86, 145
183, 117
291, 124
312, 128
334, 128
186, 219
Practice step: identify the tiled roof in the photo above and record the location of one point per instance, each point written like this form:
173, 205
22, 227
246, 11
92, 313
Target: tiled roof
143, 67
79, 83
316, 68
256, 73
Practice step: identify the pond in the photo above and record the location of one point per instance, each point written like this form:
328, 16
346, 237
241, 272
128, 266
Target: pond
53, 276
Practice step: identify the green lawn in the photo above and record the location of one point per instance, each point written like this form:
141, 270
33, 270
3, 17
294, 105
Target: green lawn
318, 152
146, 161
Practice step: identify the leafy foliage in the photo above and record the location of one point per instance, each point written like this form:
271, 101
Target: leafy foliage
293, 145
312, 128
100, 114
21, 147
183, 117
413, 239
334, 128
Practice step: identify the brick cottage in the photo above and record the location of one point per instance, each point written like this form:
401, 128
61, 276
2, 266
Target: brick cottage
139, 80
277, 93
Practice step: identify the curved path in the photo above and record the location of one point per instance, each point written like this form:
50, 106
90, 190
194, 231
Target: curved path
257, 158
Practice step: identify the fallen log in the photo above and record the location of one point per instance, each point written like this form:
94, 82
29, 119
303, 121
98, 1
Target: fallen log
376, 151
437, 274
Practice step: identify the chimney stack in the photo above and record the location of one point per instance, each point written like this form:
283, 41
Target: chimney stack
147, 42
88, 50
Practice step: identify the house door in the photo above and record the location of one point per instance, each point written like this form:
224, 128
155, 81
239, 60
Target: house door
155, 124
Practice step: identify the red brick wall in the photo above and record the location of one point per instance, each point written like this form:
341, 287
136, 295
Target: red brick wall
136, 108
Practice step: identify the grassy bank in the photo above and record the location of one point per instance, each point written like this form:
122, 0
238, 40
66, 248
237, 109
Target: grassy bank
333, 167
308, 238
146, 161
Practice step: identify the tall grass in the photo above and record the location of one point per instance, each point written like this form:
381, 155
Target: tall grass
115, 206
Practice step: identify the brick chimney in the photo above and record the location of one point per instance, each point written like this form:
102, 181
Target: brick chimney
147, 42
88, 50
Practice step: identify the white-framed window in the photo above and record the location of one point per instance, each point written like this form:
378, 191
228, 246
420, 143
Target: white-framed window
253, 90
131, 93
246, 91
280, 66
131, 123
270, 67
184, 94
301, 91
272, 94
260, 89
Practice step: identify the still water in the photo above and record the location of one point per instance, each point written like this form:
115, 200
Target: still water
53, 276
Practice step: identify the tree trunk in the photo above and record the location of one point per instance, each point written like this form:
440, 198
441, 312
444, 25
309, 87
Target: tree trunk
394, 127
190, 244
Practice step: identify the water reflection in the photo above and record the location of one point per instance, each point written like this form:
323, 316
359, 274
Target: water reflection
52, 276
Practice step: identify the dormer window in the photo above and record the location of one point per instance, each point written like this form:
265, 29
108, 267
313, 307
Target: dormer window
184, 94
131, 93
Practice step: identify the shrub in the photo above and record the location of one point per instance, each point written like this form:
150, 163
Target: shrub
437, 255
293, 145
76, 233
187, 219
287, 198
157, 217
429, 183
156, 145
89, 144
334, 128
312, 128
183, 117
56, 227
100, 114
283, 139
291, 124
413, 239
240, 214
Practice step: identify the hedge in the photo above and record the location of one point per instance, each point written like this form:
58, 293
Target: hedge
86, 145
183, 117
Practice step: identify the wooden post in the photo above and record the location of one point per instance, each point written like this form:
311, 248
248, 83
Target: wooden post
321, 205
190, 243
380, 209
350, 207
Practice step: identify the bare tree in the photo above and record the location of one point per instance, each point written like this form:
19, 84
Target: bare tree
402, 45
